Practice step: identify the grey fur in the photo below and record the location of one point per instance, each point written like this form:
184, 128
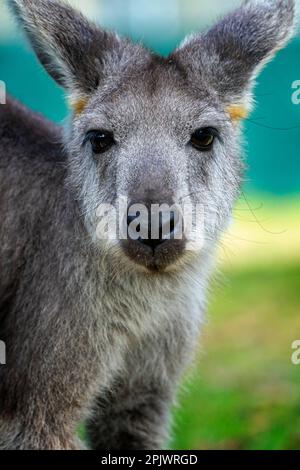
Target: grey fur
90, 333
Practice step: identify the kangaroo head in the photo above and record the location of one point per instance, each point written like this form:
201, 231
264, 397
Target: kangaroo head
155, 130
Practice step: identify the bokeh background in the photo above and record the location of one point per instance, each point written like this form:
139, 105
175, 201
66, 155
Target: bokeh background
244, 391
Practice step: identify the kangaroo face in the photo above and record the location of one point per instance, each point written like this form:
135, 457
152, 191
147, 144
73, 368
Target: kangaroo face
152, 139
154, 132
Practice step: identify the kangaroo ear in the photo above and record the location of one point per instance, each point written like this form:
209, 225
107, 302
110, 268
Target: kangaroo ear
72, 49
229, 56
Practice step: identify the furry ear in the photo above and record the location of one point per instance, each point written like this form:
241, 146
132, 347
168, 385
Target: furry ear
71, 48
229, 56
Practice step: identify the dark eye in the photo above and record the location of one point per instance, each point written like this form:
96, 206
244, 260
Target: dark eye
203, 139
101, 141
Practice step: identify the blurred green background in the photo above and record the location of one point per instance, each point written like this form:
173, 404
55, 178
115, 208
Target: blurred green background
243, 391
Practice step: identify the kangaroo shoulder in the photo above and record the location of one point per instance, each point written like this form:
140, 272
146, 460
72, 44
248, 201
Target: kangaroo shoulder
27, 135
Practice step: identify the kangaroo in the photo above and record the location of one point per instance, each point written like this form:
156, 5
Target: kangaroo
100, 331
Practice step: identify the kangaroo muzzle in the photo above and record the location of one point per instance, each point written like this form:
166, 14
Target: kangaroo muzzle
155, 231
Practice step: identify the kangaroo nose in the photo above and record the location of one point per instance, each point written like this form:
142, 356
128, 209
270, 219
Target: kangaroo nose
152, 229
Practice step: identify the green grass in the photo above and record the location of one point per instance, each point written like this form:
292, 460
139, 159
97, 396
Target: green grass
244, 392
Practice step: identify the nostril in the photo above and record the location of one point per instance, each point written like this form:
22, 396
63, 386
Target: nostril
153, 229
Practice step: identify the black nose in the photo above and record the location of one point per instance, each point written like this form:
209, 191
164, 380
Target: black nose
153, 236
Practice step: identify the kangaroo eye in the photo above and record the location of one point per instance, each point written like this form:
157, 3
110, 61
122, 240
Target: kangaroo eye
203, 139
101, 141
